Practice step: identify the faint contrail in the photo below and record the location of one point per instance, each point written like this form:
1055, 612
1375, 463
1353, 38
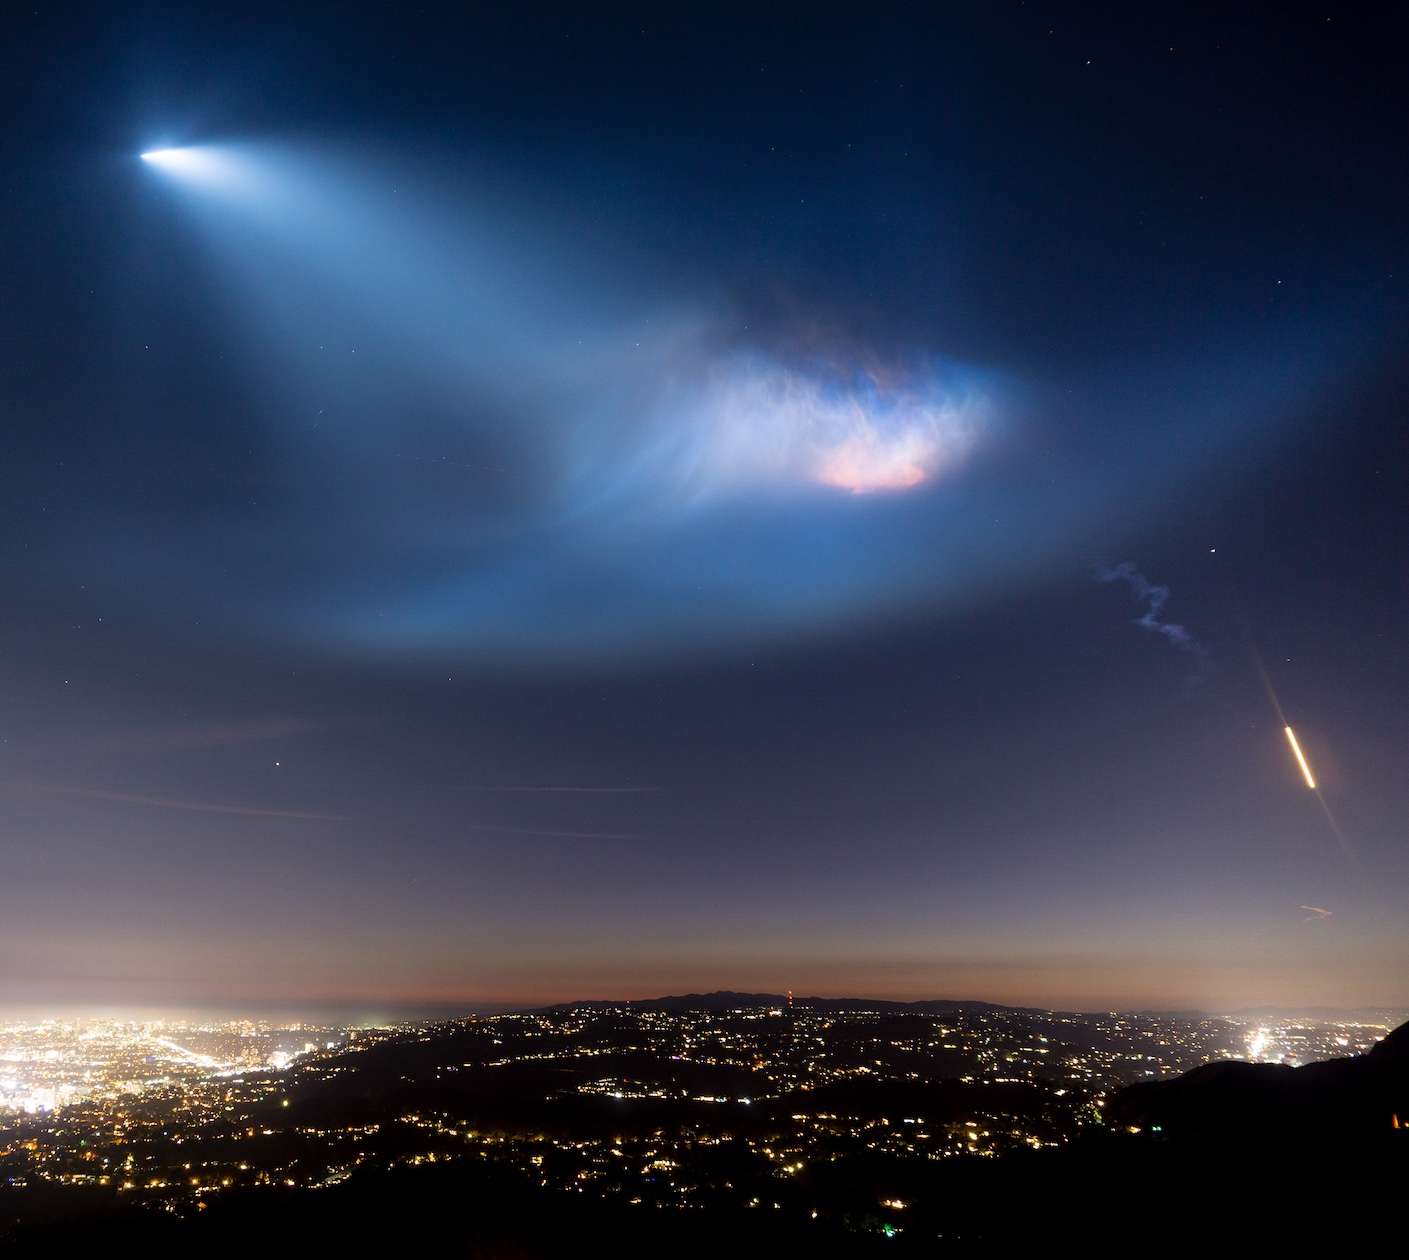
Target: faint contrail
1154, 598
1315, 913
544, 831
582, 790
198, 807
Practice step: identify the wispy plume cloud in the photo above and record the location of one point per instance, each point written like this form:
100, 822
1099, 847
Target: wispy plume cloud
1154, 597
1315, 914
856, 430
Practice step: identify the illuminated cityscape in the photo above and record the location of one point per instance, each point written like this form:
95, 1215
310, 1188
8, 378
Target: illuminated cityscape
52, 1063
754, 1108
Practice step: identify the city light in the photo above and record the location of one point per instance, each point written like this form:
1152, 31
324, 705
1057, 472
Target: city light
113, 1102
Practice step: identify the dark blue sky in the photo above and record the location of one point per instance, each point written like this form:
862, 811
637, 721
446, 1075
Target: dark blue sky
542, 504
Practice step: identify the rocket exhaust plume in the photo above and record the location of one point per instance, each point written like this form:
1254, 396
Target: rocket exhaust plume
1300, 759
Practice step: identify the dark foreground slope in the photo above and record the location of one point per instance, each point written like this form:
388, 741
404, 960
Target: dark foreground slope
1101, 1197
1336, 1101
474, 1212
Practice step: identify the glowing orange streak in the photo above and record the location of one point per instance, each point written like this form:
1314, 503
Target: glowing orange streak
1301, 761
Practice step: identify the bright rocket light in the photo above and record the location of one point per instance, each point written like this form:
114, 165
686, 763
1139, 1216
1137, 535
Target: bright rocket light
196, 162
1301, 760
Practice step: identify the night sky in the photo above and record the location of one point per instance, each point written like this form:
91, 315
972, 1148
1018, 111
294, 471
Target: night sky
519, 504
